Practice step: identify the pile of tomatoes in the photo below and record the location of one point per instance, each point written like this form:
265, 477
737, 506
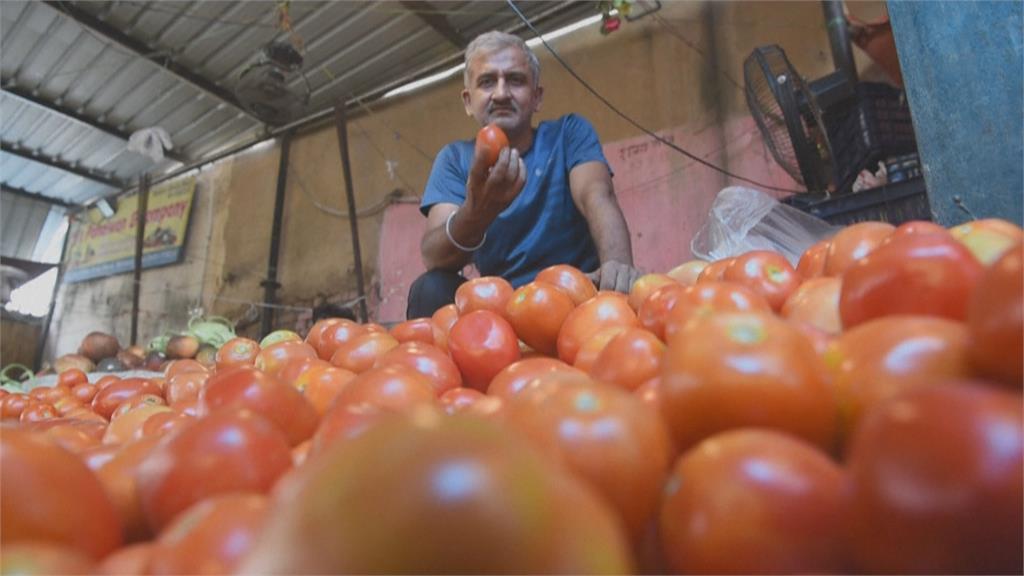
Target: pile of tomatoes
860, 412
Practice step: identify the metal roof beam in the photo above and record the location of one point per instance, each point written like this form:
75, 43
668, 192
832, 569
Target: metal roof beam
35, 196
141, 49
108, 129
36, 156
434, 18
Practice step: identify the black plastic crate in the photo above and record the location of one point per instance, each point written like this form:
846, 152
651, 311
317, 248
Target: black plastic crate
895, 204
872, 127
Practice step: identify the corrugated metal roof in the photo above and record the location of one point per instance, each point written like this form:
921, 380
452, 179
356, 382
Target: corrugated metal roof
21, 222
70, 66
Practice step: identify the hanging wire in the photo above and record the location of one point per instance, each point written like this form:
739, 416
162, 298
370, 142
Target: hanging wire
633, 122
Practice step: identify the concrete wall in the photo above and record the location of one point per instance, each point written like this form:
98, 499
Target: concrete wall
671, 74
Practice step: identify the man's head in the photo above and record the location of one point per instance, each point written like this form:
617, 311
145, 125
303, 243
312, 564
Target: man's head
502, 82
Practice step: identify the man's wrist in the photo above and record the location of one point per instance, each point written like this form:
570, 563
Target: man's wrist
464, 231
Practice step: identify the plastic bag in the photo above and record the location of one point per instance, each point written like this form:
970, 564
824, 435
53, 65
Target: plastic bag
743, 219
150, 141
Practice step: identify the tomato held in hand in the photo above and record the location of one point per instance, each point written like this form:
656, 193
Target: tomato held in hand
489, 142
482, 344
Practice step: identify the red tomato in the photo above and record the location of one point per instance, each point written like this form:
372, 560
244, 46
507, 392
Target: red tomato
914, 227
50, 394
185, 387
395, 387
853, 243
754, 502
118, 478
344, 422
630, 358
67, 435
37, 411
251, 389
316, 332
429, 361
654, 311
714, 272
940, 468
71, 377
570, 280
602, 311
812, 261
734, 370
322, 384
418, 330
482, 343
443, 321
237, 352
293, 371
518, 376
275, 357
132, 559
537, 311
592, 347
223, 452
336, 334
42, 558
645, 286
137, 402
360, 353
465, 495
12, 405
73, 510
175, 367
765, 272
84, 392
988, 239
687, 272
128, 426
489, 142
486, 293
108, 399
881, 358
162, 423
211, 537
711, 297
460, 399
995, 317
109, 379
816, 302
914, 274
598, 431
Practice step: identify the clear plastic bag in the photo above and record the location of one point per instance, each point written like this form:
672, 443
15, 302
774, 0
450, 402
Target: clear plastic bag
743, 219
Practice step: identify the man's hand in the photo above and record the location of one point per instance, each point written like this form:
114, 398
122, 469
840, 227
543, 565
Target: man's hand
614, 275
489, 193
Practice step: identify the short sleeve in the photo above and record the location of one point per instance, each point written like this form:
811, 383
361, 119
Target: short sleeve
447, 181
581, 142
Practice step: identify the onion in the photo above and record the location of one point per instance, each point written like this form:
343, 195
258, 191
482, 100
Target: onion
68, 361
182, 347
99, 345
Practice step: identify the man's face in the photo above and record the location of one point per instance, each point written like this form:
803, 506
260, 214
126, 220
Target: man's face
501, 90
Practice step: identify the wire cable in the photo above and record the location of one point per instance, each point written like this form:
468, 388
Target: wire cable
630, 120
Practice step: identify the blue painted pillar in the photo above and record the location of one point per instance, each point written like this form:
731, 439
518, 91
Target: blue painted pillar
962, 66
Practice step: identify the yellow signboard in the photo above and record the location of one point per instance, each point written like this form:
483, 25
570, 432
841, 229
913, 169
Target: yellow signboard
105, 246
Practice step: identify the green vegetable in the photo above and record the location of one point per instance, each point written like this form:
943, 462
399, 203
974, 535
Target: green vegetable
15, 382
212, 330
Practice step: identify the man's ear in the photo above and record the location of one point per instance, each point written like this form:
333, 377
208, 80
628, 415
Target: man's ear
539, 99
466, 102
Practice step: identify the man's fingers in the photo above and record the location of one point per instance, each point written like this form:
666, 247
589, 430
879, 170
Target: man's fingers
622, 279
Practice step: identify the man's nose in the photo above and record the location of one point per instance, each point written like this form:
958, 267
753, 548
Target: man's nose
501, 89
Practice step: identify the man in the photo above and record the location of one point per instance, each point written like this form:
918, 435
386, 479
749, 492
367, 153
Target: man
548, 199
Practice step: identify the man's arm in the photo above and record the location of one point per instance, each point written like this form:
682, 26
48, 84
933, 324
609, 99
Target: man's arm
590, 184
487, 194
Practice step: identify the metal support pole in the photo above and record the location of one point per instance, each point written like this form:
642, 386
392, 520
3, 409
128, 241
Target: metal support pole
341, 125
140, 235
53, 299
270, 285
839, 38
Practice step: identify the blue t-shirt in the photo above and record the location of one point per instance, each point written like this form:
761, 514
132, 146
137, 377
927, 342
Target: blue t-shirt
542, 226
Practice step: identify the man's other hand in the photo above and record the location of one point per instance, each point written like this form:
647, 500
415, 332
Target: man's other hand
615, 276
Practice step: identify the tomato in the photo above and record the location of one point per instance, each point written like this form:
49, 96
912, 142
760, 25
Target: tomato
84, 392
37, 411
343, 422
248, 388
50, 394
490, 140
605, 310
654, 311
645, 286
73, 511
42, 558
272, 359
995, 317
536, 312
185, 387
429, 361
485, 293
322, 384
68, 404
360, 353
162, 423
237, 352
914, 274
12, 405
293, 370
137, 402
459, 399
606, 437
128, 426
395, 387
733, 370
118, 478
570, 280
482, 343
210, 537
754, 502
816, 302
228, 451
881, 358
630, 358
71, 377
518, 376
914, 227
175, 367
443, 321
67, 435
336, 334
766, 273
812, 261
133, 559
279, 336
988, 239
461, 495
315, 335
715, 271
418, 330
710, 297
108, 399
853, 243
687, 272
940, 468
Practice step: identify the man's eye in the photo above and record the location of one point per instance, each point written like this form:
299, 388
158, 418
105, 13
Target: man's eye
486, 82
